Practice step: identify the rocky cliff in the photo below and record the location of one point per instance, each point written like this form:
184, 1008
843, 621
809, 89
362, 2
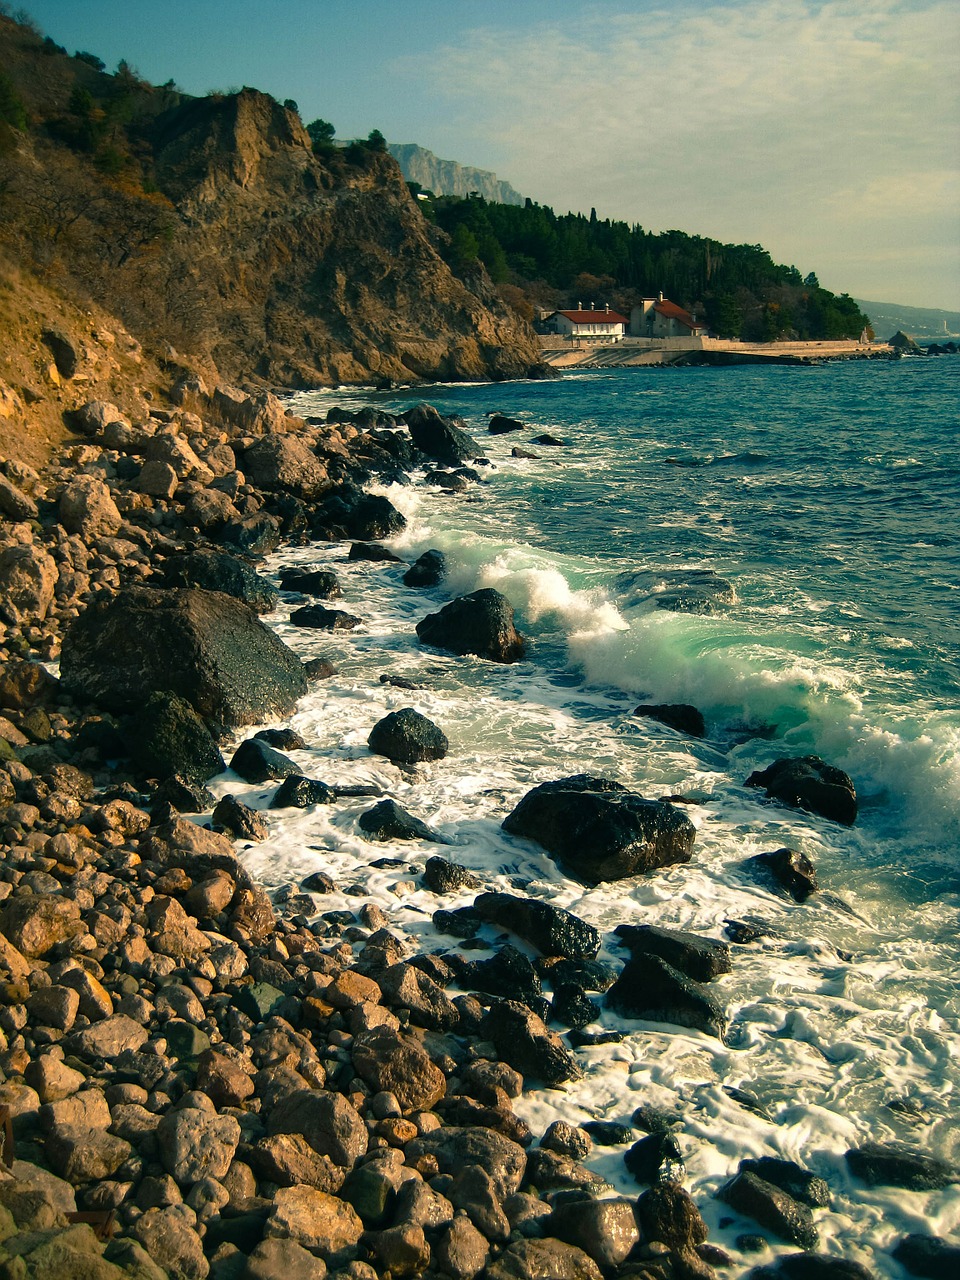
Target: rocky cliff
447, 178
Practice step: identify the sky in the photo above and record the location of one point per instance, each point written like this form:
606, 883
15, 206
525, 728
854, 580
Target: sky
827, 132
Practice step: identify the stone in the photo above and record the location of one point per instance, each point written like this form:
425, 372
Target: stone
87, 508
699, 958
256, 761
15, 505
655, 1159
390, 821
567, 1140
170, 1239
480, 624
327, 1121
277, 1258
598, 830
215, 570
509, 975
86, 1109
456, 1146
28, 580
315, 1220
53, 1006
397, 1064
893, 1164
605, 1229
83, 1154
168, 738
224, 1075
428, 570
820, 1266
350, 513
407, 737
667, 1213
310, 582
373, 553
52, 1078
238, 819
461, 1252
34, 924
543, 1260
319, 618
930, 1257
285, 464
298, 792
792, 1178
772, 1208
439, 438
523, 1040
651, 990
553, 931
443, 876
194, 1144
203, 646
474, 1190
806, 782
289, 1160
784, 870
680, 716
499, 424
405, 986
401, 1251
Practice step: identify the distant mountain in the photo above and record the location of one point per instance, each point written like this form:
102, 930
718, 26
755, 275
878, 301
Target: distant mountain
447, 178
927, 323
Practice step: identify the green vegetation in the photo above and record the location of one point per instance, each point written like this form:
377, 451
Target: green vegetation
559, 260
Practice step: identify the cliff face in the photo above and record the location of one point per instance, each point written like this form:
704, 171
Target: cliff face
319, 270
209, 230
447, 178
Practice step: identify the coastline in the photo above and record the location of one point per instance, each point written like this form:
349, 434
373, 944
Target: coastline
334, 1012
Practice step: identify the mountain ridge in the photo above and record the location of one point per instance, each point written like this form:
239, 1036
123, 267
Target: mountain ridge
449, 177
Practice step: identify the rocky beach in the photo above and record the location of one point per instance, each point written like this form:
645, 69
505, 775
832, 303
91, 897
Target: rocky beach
203, 1077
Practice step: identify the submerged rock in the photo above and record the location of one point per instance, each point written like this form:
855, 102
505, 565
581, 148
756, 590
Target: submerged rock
390, 821
805, 782
598, 830
772, 1208
893, 1164
680, 716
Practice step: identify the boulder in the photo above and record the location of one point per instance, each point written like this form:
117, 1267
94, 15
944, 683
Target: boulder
405, 986
428, 571
28, 580
298, 792
818, 1266
805, 782
284, 463
327, 1121
931, 1257
480, 623
36, 923
680, 716
656, 1159
317, 618
64, 351
772, 1208
543, 1260
351, 514
650, 989
168, 739
790, 1177
278, 1258
407, 737
893, 1164
195, 1144
598, 830
238, 819
699, 958
553, 931
14, 503
524, 1041
397, 1064
784, 871
456, 1146
289, 1160
372, 553
219, 571
168, 1235
206, 647
316, 1220
390, 821
604, 1229
87, 508
310, 582
666, 1212
442, 876
439, 438
509, 975
500, 425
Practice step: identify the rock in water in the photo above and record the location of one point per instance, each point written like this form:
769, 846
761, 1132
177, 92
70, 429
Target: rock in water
480, 623
523, 1041
650, 989
438, 437
784, 869
553, 931
676, 715
892, 1164
601, 831
207, 648
772, 1208
407, 737
699, 958
807, 783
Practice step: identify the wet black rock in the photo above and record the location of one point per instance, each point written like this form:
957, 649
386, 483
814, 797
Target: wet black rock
480, 623
428, 571
785, 871
553, 931
699, 958
448, 481
572, 1007
442, 876
390, 821
523, 1041
319, 669
220, 571
893, 1164
500, 425
930, 1257
255, 761
680, 716
317, 618
282, 739
607, 1133
652, 1119
182, 793
598, 830
168, 738
656, 1158
650, 989
667, 1213
772, 1208
439, 438
373, 552
238, 819
806, 782
204, 646
298, 792
407, 737
310, 582
812, 1266
792, 1178
463, 922
351, 514
509, 975
591, 975
547, 439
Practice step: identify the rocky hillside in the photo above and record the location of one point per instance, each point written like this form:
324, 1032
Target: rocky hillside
447, 178
210, 236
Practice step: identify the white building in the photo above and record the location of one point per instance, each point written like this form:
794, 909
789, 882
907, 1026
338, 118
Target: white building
589, 322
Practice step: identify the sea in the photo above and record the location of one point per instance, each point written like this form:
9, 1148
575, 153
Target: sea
780, 547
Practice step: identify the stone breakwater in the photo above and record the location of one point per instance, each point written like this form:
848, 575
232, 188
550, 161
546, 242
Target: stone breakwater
201, 1080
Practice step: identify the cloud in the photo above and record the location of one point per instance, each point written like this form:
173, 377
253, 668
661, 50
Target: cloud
753, 121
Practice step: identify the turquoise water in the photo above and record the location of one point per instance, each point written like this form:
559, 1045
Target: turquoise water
815, 510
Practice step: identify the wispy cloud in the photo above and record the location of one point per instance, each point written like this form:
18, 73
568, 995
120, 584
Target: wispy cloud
776, 121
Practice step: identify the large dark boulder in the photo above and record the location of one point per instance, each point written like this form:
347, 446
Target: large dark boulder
656, 1159
818, 1266
256, 761
699, 958
598, 830
285, 463
440, 438
500, 424
523, 1041
310, 582
772, 1208
351, 514
652, 990
790, 1177
390, 821
553, 931
168, 738
480, 623
204, 646
428, 571
929, 1256
508, 975
892, 1164
318, 618
220, 571
676, 715
807, 783
406, 737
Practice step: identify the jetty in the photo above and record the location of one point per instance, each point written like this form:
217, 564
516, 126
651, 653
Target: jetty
562, 352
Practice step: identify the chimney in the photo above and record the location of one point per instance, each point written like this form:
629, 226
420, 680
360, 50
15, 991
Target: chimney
660, 296
607, 308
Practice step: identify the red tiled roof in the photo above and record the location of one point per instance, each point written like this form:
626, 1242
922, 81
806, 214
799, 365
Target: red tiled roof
670, 311
594, 317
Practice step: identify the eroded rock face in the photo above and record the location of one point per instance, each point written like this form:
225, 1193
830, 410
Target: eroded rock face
806, 782
206, 647
480, 623
598, 830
